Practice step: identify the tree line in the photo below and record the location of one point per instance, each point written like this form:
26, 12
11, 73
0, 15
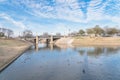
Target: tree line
4, 32
98, 31
29, 34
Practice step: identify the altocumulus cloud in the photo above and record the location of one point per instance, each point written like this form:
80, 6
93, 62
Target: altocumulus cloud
16, 23
60, 13
72, 10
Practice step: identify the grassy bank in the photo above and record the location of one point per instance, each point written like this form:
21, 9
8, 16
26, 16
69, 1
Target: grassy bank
10, 50
105, 41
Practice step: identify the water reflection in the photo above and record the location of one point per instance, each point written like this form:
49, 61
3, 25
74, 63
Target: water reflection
39, 47
65, 62
36, 47
91, 51
97, 51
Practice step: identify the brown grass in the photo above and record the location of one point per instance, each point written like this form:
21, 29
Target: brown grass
97, 41
9, 49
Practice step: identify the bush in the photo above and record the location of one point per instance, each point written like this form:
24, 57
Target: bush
2, 34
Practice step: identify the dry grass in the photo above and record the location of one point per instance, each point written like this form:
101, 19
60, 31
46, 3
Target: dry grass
9, 49
97, 41
11, 42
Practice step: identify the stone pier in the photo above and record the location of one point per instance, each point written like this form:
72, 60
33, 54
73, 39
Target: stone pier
51, 39
36, 41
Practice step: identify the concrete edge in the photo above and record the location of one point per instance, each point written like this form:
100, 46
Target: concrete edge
14, 58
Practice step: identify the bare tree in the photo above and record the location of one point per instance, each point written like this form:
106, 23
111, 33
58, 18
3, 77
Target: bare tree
74, 34
112, 31
58, 34
27, 34
4, 30
9, 33
90, 31
45, 34
0, 29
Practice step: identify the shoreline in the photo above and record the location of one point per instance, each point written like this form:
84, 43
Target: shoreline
15, 56
97, 41
95, 45
88, 41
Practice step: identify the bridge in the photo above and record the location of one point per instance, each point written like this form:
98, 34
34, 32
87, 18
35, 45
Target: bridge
47, 39
46, 47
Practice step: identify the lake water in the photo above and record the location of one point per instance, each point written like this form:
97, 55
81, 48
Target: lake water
49, 62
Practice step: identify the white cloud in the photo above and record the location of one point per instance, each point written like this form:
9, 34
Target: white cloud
1, 26
61, 10
10, 19
114, 19
2, 0
70, 9
96, 12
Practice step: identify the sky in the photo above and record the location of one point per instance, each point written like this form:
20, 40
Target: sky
54, 16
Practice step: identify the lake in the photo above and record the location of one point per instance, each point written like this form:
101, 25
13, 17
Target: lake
64, 62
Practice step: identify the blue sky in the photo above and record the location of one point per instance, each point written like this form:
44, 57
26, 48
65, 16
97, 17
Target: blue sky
54, 16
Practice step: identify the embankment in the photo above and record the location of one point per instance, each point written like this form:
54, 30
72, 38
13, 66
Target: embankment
97, 41
11, 50
64, 41
88, 41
